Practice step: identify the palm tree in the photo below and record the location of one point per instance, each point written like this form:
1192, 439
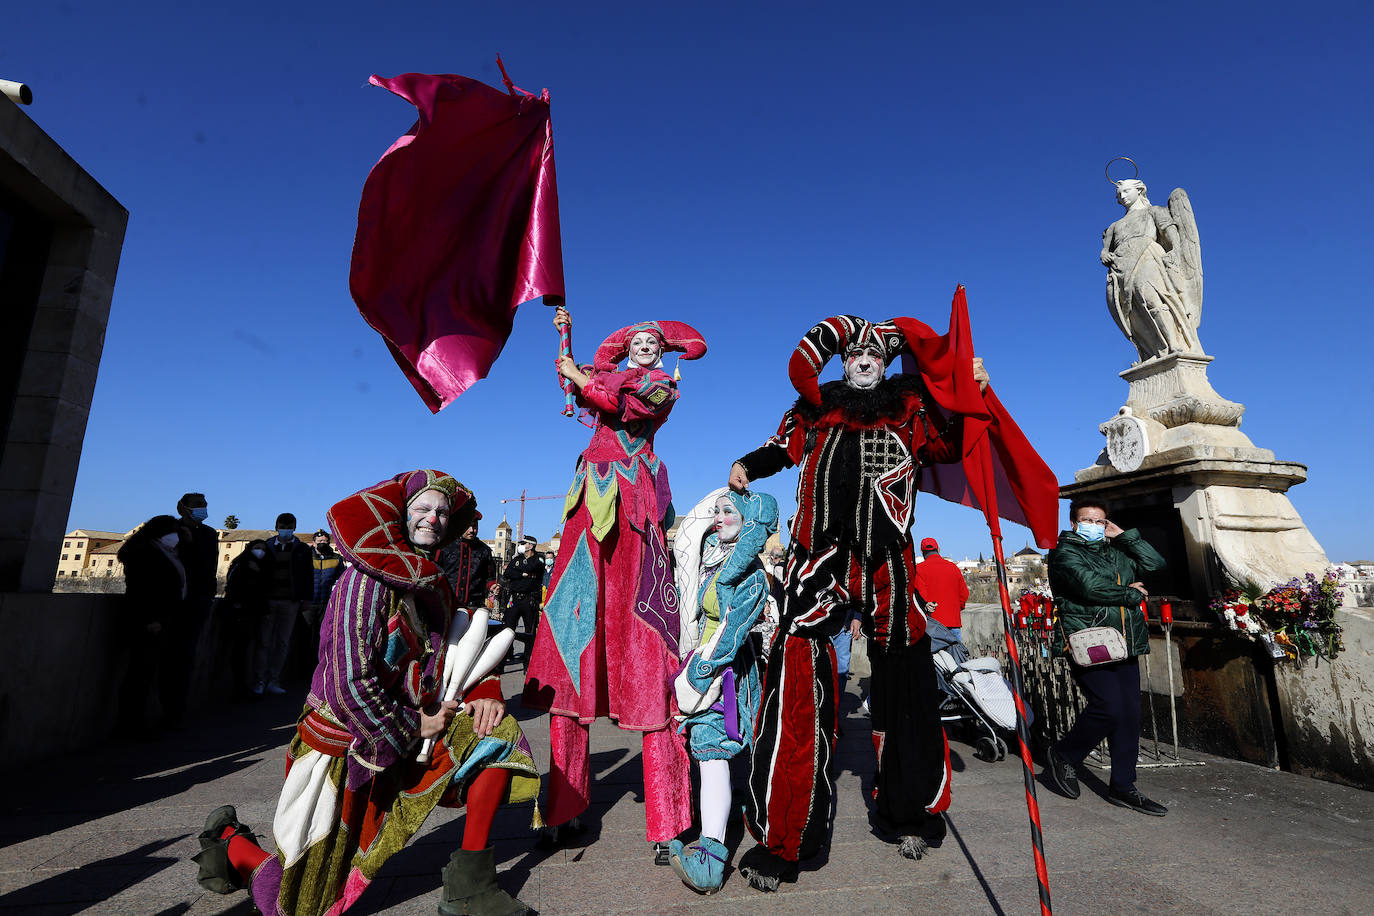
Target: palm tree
231, 522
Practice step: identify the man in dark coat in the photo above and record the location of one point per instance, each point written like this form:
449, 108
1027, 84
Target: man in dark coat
155, 603
198, 550
292, 585
469, 567
523, 577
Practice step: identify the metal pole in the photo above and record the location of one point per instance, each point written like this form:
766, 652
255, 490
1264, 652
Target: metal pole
1022, 731
1166, 615
1149, 691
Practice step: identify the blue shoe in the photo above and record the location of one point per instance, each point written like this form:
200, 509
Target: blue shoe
702, 866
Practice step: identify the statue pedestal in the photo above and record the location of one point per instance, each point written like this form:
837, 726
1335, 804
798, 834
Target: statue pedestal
1172, 396
1178, 467
1218, 514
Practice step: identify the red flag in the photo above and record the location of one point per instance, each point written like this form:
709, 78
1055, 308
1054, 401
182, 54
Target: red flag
1001, 473
457, 226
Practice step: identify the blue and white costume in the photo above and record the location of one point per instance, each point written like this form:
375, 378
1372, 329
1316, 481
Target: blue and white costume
724, 592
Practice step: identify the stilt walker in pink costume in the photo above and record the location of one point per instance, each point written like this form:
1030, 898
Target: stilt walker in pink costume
608, 637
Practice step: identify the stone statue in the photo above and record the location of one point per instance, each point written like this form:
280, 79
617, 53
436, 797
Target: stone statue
1154, 278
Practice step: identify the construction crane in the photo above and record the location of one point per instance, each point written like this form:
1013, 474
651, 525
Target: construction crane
522, 499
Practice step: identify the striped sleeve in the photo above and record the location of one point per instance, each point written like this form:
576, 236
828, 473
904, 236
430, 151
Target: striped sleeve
383, 727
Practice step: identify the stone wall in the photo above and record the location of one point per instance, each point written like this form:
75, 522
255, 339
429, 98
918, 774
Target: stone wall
1328, 708
61, 692
54, 324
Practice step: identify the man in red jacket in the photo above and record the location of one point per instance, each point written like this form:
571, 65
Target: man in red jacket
942, 585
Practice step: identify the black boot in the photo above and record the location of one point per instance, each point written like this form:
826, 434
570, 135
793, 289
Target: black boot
215, 871
765, 871
470, 887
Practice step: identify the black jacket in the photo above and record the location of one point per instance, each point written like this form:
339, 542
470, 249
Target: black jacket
152, 583
524, 575
469, 568
297, 583
199, 551
246, 587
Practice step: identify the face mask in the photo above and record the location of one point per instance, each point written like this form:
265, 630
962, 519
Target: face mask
1090, 531
170, 540
259, 552
200, 514
285, 533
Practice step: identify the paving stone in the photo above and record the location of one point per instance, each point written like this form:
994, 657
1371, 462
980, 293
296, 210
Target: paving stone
1238, 839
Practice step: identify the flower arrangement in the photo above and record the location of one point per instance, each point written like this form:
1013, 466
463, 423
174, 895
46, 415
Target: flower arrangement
1295, 620
1234, 609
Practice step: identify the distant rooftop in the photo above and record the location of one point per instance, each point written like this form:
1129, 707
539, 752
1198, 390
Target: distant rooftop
245, 534
91, 533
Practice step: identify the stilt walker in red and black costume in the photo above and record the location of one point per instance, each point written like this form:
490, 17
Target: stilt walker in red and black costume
860, 444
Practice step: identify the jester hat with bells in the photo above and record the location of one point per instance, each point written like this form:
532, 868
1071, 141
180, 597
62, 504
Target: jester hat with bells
947, 375
370, 528
673, 337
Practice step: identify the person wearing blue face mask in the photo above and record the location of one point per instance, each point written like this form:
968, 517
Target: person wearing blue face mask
292, 583
197, 549
1094, 572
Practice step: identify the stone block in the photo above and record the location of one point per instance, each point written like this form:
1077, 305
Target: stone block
1162, 657
63, 375
33, 420
1327, 708
36, 689
22, 466
46, 527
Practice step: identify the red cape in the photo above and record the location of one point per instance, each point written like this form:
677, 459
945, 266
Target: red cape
1001, 473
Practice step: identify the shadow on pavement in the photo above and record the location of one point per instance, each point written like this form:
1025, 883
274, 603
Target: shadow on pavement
74, 789
92, 883
973, 865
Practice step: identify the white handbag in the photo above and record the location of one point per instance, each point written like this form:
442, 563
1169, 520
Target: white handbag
1099, 645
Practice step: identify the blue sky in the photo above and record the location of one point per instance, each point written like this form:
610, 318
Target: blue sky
749, 168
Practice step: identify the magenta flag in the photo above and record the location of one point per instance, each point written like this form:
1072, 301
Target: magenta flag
458, 225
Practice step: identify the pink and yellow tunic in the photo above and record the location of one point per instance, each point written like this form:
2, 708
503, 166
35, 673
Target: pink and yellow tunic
607, 642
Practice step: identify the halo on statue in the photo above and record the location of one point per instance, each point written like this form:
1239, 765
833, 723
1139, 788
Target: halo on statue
1108, 170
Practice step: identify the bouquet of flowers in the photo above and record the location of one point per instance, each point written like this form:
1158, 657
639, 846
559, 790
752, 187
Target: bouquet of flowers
1295, 620
1234, 608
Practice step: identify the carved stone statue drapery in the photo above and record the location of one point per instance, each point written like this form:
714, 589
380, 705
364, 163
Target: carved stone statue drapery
1154, 278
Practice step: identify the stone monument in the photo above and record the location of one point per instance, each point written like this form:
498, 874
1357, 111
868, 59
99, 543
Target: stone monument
1175, 454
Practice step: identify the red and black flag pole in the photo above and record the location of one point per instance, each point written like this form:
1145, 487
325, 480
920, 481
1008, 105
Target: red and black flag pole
1042, 876
1002, 475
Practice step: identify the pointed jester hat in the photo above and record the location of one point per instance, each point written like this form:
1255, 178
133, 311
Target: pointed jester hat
674, 336
370, 526
833, 336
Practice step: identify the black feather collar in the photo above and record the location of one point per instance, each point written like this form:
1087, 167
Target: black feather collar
889, 400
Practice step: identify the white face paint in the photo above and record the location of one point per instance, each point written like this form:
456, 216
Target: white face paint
728, 520
645, 349
863, 367
427, 519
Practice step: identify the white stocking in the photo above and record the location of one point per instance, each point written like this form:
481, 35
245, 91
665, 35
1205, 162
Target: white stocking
715, 798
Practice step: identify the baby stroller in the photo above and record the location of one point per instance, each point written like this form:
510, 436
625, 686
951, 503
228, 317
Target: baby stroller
976, 695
